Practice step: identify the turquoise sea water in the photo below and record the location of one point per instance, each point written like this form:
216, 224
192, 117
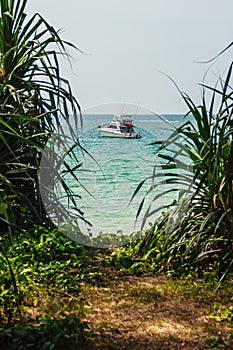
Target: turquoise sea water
113, 169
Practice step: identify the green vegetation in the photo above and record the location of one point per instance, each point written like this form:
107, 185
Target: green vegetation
195, 233
48, 335
47, 305
34, 99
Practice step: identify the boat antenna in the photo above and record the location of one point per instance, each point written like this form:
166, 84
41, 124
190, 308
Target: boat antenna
136, 110
122, 108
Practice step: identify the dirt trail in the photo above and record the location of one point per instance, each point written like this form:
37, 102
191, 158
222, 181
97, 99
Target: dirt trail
130, 312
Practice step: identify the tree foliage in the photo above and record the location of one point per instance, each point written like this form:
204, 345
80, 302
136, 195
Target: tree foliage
34, 98
196, 232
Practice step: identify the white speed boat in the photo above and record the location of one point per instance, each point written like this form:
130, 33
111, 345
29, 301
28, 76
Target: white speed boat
121, 126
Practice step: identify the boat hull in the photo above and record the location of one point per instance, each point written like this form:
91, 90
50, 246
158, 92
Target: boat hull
111, 133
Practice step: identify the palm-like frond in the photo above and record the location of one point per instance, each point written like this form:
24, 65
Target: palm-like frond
34, 99
197, 232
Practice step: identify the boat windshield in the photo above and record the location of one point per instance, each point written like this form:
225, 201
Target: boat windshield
124, 118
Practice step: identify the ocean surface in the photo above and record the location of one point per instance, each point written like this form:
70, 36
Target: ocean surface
112, 170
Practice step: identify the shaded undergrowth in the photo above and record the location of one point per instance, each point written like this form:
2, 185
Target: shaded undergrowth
44, 305
84, 298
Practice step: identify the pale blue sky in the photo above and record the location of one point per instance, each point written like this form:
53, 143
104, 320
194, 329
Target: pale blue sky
128, 42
